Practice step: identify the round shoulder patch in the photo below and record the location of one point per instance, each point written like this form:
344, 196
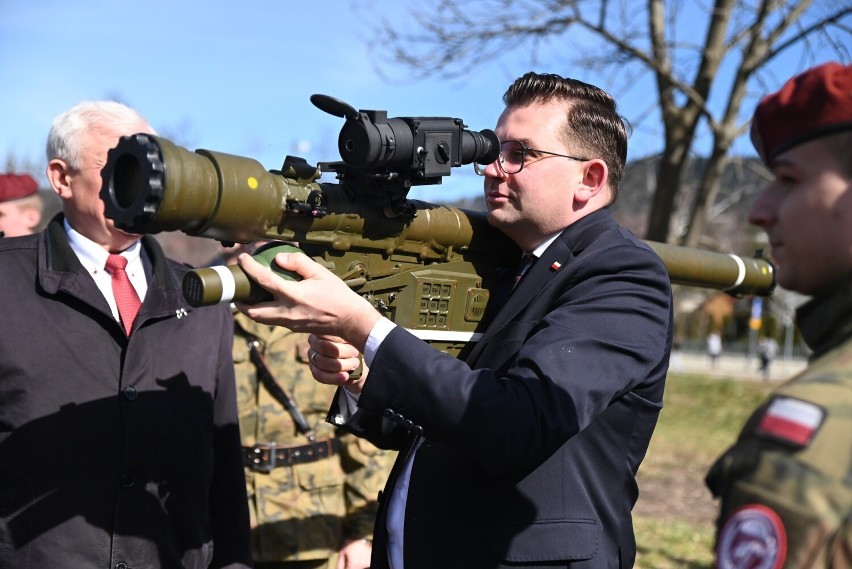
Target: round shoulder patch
752, 538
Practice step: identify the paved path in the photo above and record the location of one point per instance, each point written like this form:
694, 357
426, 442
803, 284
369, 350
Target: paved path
735, 365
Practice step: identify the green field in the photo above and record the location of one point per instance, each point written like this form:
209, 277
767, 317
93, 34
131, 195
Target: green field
674, 516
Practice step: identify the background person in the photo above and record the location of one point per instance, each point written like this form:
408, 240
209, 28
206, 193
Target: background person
767, 349
523, 454
714, 347
786, 485
314, 504
119, 444
20, 205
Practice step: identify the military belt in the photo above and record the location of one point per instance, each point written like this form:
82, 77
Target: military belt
263, 457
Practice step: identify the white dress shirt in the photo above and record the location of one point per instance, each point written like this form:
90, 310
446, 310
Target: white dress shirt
93, 257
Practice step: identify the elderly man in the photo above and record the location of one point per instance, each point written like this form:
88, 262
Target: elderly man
119, 444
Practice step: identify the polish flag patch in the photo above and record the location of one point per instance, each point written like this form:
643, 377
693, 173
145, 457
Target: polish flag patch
791, 421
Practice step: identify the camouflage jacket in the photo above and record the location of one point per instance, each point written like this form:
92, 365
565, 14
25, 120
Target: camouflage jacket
304, 511
786, 485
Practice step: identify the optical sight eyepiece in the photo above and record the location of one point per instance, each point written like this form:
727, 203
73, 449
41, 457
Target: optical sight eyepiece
427, 146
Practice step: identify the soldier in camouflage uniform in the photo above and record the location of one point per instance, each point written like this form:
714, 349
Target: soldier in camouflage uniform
308, 508
786, 485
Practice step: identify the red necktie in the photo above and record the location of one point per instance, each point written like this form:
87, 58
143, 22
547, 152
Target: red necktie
125, 295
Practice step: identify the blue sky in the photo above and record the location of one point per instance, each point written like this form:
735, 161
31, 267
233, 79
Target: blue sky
231, 76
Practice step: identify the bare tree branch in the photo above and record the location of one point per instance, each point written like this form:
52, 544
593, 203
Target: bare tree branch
634, 39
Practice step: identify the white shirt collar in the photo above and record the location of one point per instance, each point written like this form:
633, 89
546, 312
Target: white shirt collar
542, 247
92, 256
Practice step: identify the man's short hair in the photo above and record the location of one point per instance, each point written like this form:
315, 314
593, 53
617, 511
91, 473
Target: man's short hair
68, 129
593, 126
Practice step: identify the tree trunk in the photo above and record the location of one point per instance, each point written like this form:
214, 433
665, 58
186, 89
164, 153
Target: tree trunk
706, 195
669, 169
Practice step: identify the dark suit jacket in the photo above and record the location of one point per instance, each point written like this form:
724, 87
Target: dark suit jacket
533, 441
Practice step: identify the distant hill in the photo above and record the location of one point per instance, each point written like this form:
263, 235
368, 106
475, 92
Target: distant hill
728, 229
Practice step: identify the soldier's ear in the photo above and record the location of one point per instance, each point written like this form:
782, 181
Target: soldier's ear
33, 217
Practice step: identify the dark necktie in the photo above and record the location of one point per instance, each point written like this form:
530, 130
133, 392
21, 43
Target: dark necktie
523, 266
506, 287
125, 295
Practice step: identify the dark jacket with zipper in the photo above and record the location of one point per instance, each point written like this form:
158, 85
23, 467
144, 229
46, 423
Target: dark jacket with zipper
115, 452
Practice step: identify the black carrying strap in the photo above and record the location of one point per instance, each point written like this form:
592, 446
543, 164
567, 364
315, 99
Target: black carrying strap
275, 388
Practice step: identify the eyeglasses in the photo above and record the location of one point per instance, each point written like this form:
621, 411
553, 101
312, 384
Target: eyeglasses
512, 155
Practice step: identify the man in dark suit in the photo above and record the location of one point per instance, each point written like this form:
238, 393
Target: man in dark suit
523, 454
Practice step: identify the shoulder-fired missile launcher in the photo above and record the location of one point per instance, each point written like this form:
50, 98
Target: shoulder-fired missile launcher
427, 267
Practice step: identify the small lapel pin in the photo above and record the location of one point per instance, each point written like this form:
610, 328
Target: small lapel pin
555, 266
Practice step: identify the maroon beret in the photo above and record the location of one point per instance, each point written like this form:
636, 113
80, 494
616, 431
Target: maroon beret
16, 186
816, 103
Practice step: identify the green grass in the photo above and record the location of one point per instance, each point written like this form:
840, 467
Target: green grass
704, 414
701, 418
672, 544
